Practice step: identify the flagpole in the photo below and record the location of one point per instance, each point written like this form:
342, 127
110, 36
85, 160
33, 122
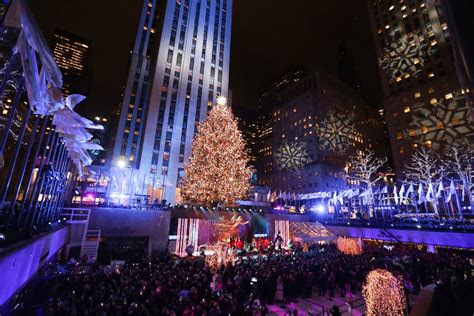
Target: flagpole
413, 196
153, 188
458, 204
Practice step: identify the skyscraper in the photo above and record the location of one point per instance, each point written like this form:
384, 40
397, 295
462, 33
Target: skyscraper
179, 65
424, 102
72, 55
318, 123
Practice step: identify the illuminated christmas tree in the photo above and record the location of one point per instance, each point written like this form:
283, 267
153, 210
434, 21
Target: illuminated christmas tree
217, 170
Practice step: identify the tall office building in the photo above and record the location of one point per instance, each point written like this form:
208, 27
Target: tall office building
424, 103
264, 123
72, 55
180, 64
318, 123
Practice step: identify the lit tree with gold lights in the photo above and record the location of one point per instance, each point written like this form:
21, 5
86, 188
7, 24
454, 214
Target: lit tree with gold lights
217, 170
383, 294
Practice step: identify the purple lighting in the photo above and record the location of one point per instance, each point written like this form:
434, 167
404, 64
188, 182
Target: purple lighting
19, 266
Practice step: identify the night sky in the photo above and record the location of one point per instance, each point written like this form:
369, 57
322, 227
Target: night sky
267, 37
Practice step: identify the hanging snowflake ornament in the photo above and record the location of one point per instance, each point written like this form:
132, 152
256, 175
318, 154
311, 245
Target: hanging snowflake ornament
336, 132
404, 58
292, 156
447, 120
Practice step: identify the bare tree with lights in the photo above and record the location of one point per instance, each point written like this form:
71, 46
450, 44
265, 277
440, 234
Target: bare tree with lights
364, 167
425, 167
217, 170
458, 160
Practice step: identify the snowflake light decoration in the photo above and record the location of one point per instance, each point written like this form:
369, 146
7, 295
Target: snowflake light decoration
404, 58
292, 156
446, 121
335, 132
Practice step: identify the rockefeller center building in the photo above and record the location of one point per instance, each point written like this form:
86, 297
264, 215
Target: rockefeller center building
425, 105
318, 123
179, 66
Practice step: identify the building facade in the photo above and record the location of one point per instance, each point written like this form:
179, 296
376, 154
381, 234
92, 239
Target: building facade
318, 123
267, 102
424, 103
180, 64
72, 55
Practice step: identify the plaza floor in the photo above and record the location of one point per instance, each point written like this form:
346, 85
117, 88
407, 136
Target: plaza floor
320, 306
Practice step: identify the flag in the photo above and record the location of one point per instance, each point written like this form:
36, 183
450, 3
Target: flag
269, 195
274, 196
384, 190
402, 191
395, 194
440, 190
279, 194
421, 194
452, 190
430, 193
293, 196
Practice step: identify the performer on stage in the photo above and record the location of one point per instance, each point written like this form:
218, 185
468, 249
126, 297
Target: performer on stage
278, 241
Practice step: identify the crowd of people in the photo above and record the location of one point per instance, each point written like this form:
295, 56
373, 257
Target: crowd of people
168, 285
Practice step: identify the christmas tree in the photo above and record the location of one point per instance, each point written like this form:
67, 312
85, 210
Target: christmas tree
217, 170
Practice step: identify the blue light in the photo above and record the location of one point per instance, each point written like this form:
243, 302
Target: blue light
318, 208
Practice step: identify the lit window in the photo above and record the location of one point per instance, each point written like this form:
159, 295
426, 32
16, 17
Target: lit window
431, 90
399, 136
406, 109
428, 143
434, 42
430, 75
417, 95
402, 150
412, 132
414, 145
391, 8
455, 121
424, 129
448, 96
434, 101
439, 125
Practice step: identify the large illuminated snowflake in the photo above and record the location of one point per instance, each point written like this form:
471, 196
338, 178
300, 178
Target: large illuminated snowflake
335, 132
404, 58
292, 156
446, 121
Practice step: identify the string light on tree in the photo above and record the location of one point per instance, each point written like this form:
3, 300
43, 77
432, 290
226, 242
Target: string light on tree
217, 170
383, 294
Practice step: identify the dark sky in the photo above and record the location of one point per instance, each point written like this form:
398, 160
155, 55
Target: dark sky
267, 36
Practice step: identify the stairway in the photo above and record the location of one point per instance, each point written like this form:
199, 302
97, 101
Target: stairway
90, 245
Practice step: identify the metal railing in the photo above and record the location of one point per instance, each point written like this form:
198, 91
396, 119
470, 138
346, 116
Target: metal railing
34, 165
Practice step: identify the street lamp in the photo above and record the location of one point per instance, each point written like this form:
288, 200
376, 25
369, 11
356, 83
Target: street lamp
121, 163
